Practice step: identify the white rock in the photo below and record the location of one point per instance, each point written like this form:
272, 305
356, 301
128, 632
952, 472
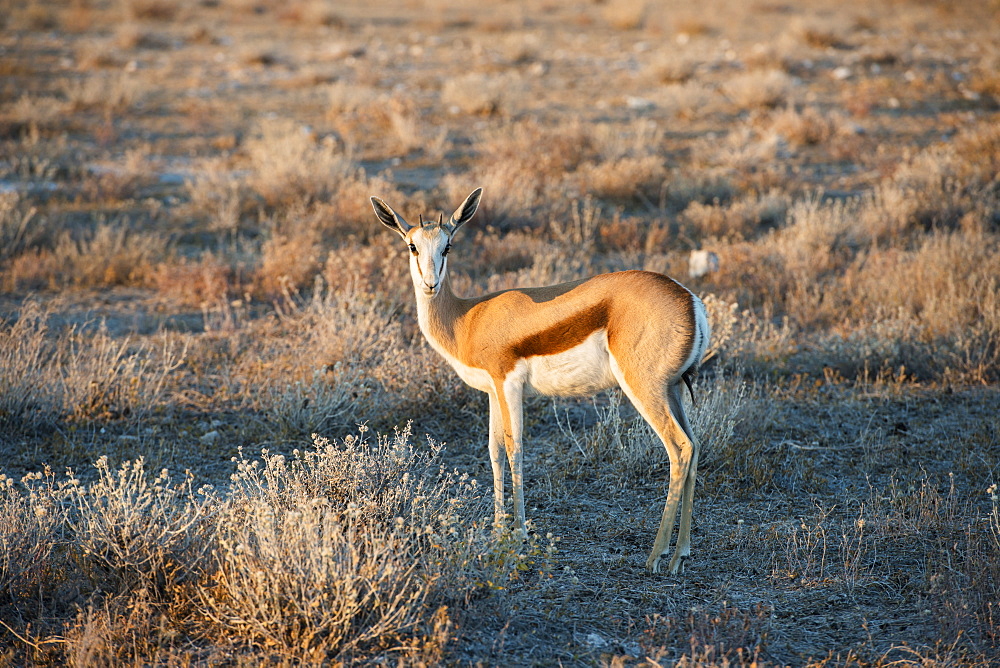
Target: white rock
701, 263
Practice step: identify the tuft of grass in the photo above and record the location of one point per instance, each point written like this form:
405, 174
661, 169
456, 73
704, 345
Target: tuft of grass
20, 226
289, 163
483, 94
759, 89
78, 374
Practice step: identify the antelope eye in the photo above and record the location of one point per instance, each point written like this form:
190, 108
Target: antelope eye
413, 249
446, 249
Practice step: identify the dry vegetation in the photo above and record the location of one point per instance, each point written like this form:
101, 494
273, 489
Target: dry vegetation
225, 443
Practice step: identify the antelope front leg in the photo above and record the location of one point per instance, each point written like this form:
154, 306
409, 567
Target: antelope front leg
509, 399
496, 459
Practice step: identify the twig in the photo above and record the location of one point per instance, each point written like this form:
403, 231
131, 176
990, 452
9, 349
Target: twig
797, 446
36, 645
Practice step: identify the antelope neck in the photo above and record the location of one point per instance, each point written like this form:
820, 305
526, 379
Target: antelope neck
438, 314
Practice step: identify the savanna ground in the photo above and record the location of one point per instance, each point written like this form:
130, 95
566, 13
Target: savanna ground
222, 431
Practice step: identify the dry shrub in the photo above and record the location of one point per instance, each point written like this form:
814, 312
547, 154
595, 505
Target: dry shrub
623, 179
639, 138
289, 164
743, 149
134, 533
580, 229
397, 122
719, 407
742, 218
348, 213
946, 186
977, 153
195, 282
341, 550
310, 13
515, 174
121, 180
100, 377
380, 536
822, 38
759, 89
374, 267
31, 526
886, 215
403, 119
807, 127
111, 92
24, 351
931, 308
724, 322
483, 94
514, 194
818, 237
486, 254
353, 342
288, 263
669, 67
20, 226
346, 98
708, 186
943, 298
33, 15
111, 255
948, 284
219, 193
565, 146
938, 188
78, 374
688, 100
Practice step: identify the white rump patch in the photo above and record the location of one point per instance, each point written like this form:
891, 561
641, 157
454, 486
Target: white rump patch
702, 333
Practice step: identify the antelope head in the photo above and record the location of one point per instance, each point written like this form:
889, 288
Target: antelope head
428, 241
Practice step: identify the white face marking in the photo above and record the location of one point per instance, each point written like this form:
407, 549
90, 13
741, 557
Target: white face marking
429, 263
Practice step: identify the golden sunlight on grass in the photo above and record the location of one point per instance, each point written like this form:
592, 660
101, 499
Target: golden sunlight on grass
224, 440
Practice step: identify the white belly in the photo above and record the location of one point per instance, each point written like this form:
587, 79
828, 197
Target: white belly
580, 371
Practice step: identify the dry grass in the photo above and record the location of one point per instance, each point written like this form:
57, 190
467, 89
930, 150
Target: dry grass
190, 272
377, 562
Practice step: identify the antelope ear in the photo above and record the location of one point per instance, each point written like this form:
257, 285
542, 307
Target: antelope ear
465, 212
390, 218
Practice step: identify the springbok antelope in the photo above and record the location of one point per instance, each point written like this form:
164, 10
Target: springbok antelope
640, 330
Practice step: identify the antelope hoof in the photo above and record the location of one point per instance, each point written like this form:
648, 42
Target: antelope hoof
653, 564
677, 564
